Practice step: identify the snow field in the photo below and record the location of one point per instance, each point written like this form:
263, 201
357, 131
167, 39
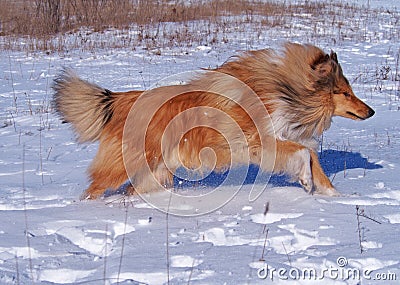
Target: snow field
48, 236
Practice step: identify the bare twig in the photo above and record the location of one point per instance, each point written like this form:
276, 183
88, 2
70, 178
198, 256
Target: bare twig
362, 214
266, 209
40, 150
27, 234
167, 239
333, 177
369, 218
287, 255
191, 272
48, 153
12, 85
265, 230
13, 119
265, 243
17, 269
122, 245
105, 255
359, 228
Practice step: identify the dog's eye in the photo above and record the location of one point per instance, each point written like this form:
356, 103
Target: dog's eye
346, 94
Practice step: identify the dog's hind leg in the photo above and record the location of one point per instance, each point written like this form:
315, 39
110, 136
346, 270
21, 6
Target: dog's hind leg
107, 171
105, 180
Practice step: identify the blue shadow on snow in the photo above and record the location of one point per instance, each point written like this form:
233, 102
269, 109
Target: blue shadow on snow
332, 161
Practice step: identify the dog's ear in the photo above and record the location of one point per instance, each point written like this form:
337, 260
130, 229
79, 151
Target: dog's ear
333, 56
323, 58
323, 66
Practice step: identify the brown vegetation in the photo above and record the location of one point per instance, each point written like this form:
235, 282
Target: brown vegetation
149, 21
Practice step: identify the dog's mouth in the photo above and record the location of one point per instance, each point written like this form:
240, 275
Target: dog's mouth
355, 116
359, 118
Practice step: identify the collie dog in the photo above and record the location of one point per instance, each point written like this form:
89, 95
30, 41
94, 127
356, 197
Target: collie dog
145, 136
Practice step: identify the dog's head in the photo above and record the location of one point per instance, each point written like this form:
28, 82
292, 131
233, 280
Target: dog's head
330, 78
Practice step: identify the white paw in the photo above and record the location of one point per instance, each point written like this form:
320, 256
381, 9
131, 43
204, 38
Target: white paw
307, 184
305, 175
301, 166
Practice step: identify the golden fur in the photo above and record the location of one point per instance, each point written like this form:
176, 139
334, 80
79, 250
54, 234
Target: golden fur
300, 86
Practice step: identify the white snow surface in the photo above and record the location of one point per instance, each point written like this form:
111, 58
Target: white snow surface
49, 236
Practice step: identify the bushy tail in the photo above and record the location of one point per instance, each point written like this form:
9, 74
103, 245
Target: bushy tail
86, 106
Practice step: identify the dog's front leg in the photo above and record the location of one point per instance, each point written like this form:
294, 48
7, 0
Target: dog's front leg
302, 164
322, 184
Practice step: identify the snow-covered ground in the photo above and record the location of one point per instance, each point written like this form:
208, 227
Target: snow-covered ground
47, 235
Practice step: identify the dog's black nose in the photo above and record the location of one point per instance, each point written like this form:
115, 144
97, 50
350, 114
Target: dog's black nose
370, 113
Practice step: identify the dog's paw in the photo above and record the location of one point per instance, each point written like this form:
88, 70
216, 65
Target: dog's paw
307, 184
